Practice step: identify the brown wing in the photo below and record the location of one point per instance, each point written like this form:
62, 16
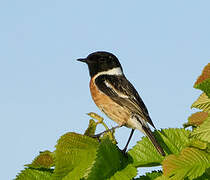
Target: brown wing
120, 90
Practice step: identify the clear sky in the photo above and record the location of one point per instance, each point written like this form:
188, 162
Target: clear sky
162, 46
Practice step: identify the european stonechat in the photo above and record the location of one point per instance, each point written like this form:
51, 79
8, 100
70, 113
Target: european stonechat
116, 96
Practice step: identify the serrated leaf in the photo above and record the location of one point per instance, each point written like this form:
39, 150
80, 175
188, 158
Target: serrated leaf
204, 86
109, 160
34, 174
171, 140
197, 118
144, 154
128, 172
150, 176
191, 163
43, 160
198, 144
91, 128
202, 132
174, 139
203, 81
203, 103
75, 153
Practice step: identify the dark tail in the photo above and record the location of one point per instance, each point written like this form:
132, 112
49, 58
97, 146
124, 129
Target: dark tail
150, 135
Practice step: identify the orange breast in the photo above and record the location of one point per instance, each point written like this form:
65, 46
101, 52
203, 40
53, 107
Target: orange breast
114, 111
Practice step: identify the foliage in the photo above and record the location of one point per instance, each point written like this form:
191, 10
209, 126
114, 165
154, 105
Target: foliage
191, 163
88, 157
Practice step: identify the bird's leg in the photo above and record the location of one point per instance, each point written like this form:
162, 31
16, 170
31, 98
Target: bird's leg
126, 146
111, 129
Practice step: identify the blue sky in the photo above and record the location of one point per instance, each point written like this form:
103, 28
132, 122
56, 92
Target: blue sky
162, 46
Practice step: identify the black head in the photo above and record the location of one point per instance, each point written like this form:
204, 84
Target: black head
100, 61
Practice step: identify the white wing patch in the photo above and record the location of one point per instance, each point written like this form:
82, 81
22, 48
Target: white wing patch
109, 85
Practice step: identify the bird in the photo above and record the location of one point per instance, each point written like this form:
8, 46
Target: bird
116, 97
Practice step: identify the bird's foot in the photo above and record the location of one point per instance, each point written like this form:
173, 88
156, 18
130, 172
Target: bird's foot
124, 150
108, 130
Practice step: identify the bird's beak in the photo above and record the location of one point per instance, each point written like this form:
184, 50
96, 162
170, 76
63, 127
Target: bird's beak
84, 60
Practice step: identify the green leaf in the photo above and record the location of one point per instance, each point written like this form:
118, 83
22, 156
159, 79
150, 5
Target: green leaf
191, 163
91, 128
171, 140
203, 103
150, 176
174, 139
202, 132
75, 153
128, 172
109, 160
198, 144
204, 86
203, 81
34, 174
144, 154
44, 160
